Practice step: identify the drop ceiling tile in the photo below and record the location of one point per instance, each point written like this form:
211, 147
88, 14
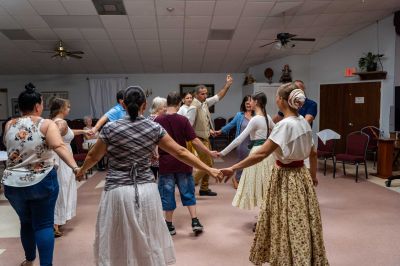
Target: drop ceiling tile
143, 22
240, 45
196, 34
250, 23
217, 45
18, 7
174, 22
124, 45
326, 41
340, 6
244, 34
281, 7
162, 5
73, 21
275, 22
120, 34
171, 45
267, 34
30, 22
324, 20
140, 8
315, 32
115, 22
7, 22
94, 34
224, 22
228, 8
171, 34
302, 21
48, 7
257, 9
199, 8
80, 7
68, 34
194, 46
198, 22
145, 34
42, 34
313, 7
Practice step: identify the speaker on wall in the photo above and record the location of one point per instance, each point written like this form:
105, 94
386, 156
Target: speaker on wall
397, 108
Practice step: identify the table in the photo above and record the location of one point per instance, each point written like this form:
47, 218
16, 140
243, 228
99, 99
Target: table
393, 177
385, 157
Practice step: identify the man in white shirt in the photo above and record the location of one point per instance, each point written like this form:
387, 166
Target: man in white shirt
203, 127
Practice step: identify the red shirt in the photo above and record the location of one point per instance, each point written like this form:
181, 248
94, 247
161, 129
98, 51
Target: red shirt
179, 128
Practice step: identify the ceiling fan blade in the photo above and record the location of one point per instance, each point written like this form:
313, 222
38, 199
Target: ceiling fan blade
43, 51
303, 39
55, 55
74, 56
268, 43
75, 52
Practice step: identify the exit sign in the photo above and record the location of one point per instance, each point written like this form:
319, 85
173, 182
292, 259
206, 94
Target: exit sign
349, 71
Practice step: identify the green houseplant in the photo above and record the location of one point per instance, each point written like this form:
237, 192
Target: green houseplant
369, 62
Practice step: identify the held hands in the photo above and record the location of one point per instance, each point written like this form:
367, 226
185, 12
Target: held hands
214, 154
227, 173
218, 132
78, 173
213, 133
217, 174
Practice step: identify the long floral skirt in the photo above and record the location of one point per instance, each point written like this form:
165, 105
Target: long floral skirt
289, 228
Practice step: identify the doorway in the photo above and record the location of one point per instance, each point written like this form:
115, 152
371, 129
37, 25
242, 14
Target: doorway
349, 107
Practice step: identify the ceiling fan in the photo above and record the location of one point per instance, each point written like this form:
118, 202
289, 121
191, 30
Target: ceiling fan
62, 52
283, 38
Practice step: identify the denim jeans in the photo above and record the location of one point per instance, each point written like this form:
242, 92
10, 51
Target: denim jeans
35, 208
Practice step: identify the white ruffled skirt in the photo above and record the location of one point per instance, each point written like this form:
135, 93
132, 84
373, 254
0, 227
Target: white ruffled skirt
128, 235
253, 183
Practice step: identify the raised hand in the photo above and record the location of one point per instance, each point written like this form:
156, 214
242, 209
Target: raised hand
229, 79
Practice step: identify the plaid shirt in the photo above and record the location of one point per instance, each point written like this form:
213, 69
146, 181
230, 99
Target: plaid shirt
130, 143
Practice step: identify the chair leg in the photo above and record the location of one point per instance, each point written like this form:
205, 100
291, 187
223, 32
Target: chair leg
334, 168
374, 159
325, 167
366, 169
344, 168
356, 172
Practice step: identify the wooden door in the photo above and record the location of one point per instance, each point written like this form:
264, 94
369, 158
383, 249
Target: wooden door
349, 107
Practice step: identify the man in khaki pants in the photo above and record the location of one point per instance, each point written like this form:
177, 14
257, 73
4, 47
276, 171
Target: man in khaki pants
203, 127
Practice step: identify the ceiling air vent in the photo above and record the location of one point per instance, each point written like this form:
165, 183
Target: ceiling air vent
220, 34
17, 34
109, 7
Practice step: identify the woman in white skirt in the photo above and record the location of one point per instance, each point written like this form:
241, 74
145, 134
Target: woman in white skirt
130, 227
67, 197
254, 179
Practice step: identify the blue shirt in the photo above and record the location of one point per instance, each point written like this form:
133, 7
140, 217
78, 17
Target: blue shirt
309, 108
115, 113
236, 122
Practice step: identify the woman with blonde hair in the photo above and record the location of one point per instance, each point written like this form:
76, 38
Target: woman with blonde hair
289, 227
66, 202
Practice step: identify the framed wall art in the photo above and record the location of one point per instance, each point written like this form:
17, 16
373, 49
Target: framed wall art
49, 96
191, 88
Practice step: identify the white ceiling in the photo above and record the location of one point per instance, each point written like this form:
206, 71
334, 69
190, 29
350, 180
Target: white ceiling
150, 39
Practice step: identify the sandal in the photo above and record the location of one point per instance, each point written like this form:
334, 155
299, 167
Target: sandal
57, 233
27, 263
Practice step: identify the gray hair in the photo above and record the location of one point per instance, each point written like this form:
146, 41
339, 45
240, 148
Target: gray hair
199, 87
86, 117
157, 104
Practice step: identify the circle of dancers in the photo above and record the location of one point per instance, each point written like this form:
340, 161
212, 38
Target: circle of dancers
149, 156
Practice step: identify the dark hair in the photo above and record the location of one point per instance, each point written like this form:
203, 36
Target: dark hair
120, 95
261, 99
56, 106
243, 104
186, 94
173, 99
28, 98
134, 97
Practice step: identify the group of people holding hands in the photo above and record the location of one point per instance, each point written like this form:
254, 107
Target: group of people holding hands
131, 228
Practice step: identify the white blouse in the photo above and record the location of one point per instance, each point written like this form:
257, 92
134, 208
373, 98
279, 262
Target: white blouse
294, 137
257, 129
187, 112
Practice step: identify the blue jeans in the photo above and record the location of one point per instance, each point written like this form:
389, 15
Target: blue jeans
166, 187
35, 208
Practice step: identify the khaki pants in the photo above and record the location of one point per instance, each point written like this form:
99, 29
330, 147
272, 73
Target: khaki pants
207, 159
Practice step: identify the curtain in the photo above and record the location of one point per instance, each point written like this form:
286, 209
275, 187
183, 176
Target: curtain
102, 93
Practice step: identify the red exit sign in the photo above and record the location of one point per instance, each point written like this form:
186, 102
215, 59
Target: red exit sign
349, 71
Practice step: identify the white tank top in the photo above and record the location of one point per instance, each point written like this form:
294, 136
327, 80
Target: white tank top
29, 157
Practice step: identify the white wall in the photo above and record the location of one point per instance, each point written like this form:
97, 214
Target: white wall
161, 84
327, 65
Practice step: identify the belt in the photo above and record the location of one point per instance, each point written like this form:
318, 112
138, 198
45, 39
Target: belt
294, 164
257, 142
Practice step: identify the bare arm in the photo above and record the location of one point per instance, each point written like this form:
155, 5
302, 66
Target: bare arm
182, 154
55, 142
95, 154
313, 165
224, 90
99, 124
309, 118
200, 146
62, 127
80, 132
277, 118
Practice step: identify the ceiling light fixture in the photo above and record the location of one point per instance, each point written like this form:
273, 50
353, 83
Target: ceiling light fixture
170, 9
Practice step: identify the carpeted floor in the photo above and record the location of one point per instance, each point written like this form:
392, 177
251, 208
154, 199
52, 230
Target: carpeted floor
361, 226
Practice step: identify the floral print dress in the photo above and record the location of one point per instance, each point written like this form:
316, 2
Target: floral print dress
29, 157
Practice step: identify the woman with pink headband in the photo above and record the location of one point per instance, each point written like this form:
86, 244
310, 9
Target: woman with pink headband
289, 227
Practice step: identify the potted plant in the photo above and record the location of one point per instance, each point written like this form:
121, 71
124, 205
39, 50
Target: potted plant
369, 62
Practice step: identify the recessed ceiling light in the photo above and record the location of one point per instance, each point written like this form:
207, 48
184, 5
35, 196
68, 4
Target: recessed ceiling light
110, 8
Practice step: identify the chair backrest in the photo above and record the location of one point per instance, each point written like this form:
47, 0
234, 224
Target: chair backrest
78, 140
357, 143
77, 124
329, 145
373, 133
219, 122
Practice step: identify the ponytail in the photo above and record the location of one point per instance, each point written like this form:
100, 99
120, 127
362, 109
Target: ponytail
134, 97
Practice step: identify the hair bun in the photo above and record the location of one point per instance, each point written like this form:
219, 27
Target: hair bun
30, 87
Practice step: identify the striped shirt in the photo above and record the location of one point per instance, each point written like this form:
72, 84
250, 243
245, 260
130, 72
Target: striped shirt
129, 148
